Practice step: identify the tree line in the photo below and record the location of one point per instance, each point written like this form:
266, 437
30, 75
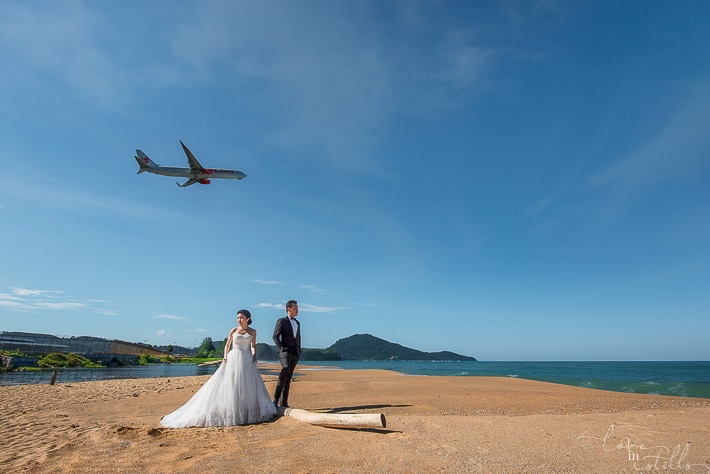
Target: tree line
215, 350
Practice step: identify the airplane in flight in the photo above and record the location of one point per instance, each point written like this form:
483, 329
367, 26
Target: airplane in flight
196, 172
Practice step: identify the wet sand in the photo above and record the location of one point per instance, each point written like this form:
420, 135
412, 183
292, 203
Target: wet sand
434, 424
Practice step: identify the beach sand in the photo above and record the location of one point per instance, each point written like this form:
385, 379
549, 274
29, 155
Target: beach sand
434, 424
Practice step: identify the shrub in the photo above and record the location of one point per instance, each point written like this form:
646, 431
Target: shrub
145, 359
56, 359
13, 353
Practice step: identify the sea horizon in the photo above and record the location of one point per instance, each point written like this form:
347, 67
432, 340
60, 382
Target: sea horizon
675, 378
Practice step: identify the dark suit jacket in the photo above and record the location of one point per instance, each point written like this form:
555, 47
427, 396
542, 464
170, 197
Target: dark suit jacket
284, 338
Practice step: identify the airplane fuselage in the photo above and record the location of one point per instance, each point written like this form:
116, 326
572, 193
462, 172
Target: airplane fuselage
206, 173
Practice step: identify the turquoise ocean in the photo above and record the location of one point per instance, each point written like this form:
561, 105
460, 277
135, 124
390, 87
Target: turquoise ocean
685, 379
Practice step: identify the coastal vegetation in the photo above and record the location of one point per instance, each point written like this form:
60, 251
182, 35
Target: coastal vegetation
145, 359
67, 360
208, 350
13, 353
56, 359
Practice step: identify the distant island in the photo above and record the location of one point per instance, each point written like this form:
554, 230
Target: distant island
368, 347
363, 347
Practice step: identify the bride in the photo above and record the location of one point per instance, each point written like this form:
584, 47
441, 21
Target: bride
235, 394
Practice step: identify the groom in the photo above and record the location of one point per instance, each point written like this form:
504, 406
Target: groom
287, 336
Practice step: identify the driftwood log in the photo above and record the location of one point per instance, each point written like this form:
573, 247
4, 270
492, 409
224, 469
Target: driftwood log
335, 420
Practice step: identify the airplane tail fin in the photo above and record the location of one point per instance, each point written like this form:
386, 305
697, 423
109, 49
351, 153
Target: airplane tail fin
144, 162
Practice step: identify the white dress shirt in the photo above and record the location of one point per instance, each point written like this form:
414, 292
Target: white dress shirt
294, 325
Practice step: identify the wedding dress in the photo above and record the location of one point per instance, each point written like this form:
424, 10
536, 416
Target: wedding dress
234, 395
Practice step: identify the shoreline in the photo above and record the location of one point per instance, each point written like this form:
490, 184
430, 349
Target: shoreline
434, 424
684, 379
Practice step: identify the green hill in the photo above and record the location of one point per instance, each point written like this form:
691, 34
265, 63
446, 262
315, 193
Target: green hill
368, 347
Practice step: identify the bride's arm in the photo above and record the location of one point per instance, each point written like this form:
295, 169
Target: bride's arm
253, 345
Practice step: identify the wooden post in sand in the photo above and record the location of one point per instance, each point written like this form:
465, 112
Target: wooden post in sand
54, 377
335, 420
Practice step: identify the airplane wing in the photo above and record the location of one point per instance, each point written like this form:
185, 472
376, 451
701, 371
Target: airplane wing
188, 182
195, 165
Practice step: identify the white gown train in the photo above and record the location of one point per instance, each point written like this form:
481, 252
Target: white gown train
234, 395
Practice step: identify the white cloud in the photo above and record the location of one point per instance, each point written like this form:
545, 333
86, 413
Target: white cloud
29, 300
14, 305
309, 308
267, 282
312, 288
171, 316
27, 292
58, 306
305, 307
6, 296
270, 305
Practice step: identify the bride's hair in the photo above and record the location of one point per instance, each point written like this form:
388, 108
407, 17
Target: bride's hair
246, 314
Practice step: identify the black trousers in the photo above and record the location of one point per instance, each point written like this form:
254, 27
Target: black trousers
288, 365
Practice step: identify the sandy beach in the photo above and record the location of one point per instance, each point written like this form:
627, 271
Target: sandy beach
434, 424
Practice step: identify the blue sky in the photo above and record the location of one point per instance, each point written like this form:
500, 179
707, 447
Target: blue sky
510, 180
